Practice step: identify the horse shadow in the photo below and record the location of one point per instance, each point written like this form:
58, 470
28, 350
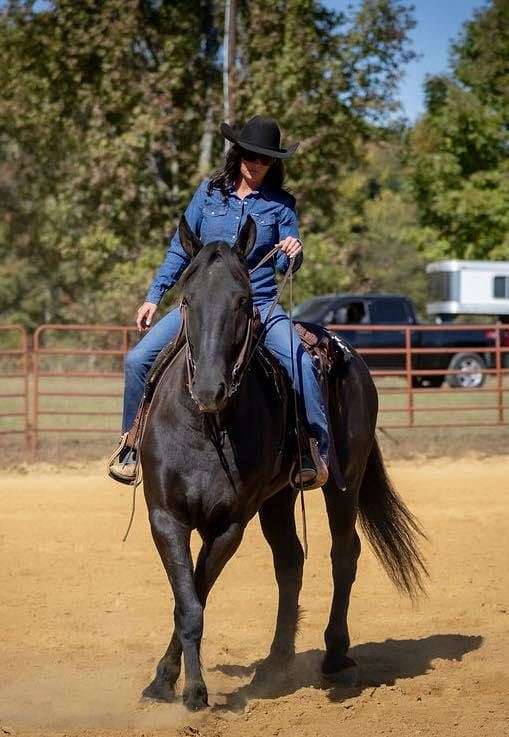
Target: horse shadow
380, 663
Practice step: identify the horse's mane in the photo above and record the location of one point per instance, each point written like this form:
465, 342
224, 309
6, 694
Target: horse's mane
211, 253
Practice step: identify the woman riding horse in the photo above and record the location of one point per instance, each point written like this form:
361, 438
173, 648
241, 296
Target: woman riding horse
250, 183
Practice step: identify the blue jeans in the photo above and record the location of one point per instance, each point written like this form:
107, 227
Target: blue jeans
277, 339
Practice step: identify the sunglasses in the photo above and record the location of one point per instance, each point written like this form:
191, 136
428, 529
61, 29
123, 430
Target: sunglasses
253, 156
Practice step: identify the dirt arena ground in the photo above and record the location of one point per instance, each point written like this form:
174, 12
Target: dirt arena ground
84, 618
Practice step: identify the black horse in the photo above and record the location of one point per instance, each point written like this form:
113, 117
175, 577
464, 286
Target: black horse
211, 460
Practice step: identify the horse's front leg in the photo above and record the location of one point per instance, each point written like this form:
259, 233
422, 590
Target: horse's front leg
172, 540
162, 688
215, 553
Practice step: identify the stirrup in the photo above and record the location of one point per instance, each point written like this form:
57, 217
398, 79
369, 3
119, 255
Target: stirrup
116, 457
118, 450
314, 462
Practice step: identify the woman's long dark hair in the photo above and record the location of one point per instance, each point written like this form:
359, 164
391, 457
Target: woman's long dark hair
227, 176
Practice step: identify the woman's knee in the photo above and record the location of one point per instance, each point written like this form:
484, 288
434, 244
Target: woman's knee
135, 362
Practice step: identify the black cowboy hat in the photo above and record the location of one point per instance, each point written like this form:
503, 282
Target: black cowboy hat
261, 135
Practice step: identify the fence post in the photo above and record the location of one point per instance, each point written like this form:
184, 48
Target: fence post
35, 396
408, 364
26, 386
499, 375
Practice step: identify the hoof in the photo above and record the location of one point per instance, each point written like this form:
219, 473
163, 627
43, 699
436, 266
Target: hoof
342, 672
156, 691
269, 674
196, 697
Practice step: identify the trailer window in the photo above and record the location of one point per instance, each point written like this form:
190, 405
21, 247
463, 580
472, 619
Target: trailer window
444, 286
501, 287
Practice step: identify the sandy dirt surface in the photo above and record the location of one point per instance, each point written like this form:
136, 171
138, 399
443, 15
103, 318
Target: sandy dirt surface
84, 619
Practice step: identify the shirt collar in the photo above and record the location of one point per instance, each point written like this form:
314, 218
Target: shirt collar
264, 190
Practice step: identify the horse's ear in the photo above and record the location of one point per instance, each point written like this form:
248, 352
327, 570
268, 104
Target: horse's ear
190, 243
246, 238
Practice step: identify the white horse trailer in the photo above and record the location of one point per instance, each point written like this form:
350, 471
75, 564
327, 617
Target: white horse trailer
468, 288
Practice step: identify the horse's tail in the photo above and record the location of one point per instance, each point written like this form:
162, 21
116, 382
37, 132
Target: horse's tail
390, 527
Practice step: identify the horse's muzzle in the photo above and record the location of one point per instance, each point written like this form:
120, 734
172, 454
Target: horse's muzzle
211, 400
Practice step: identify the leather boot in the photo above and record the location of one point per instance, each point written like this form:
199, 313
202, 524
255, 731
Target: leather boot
314, 469
122, 464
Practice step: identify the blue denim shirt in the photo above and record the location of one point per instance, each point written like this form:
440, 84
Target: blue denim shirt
211, 218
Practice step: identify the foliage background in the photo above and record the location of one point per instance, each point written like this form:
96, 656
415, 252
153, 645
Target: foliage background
109, 117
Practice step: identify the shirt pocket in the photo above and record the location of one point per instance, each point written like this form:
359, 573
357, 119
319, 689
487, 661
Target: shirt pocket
214, 223
266, 229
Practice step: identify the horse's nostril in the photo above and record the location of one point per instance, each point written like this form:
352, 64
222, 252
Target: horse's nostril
208, 399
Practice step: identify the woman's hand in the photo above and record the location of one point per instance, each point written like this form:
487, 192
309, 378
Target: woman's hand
144, 315
291, 246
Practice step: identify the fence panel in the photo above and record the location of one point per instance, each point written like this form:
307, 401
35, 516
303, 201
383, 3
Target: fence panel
75, 376
14, 387
419, 411
77, 373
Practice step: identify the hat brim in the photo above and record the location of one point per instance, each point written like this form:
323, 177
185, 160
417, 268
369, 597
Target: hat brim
232, 135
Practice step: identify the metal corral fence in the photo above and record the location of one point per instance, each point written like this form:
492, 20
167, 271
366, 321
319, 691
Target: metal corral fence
14, 368
70, 380
417, 409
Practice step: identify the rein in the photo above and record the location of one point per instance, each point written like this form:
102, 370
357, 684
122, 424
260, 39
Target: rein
244, 357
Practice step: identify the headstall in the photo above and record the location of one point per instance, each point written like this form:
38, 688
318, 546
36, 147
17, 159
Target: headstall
239, 365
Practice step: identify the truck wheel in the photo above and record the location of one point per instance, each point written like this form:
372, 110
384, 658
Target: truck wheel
471, 365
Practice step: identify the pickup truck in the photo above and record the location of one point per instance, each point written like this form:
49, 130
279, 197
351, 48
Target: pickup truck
394, 309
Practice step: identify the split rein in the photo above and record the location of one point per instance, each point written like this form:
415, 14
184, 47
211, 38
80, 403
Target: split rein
246, 353
244, 357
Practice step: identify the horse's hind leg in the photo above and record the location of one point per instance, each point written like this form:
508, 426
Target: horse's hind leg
278, 525
341, 511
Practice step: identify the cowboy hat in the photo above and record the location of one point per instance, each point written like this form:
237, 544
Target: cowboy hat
261, 135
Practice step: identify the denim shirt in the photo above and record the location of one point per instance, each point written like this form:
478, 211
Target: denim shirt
211, 218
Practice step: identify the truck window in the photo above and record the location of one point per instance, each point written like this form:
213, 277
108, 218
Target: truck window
388, 311
317, 309
351, 313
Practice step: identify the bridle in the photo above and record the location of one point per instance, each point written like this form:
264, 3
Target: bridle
238, 367
247, 350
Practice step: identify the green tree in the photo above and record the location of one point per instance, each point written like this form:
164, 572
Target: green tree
460, 147
106, 121
100, 126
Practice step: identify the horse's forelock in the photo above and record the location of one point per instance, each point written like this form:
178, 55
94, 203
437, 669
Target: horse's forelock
211, 254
